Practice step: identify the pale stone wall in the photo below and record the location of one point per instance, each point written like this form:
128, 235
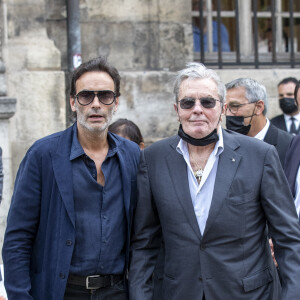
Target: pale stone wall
33, 76
35, 79
135, 35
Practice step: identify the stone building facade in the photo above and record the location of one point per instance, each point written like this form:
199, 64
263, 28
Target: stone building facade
147, 40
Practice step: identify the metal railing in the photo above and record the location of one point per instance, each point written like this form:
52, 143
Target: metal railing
246, 50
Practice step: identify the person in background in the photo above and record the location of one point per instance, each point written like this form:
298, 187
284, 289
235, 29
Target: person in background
246, 109
290, 119
128, 130
68, 227
206, 196
292, 162
197, 32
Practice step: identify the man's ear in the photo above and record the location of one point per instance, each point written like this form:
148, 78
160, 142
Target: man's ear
260, 107
176, 110
224, 109
116, 104
72, 104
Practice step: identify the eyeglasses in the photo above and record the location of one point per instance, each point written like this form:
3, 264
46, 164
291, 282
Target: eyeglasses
234, 107
87, 97
206, 102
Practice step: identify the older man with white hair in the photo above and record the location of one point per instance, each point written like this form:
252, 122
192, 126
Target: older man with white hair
204, 199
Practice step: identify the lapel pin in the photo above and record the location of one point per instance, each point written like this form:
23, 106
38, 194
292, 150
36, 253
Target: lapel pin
233, 160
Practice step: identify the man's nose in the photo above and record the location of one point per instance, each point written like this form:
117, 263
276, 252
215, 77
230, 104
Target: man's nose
198, 106
96, 102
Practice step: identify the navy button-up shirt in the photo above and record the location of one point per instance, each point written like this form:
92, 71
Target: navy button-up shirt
100, 219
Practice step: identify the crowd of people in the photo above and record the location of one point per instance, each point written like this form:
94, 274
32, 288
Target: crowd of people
210, 213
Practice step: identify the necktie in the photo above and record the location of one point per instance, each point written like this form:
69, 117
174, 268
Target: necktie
293, 126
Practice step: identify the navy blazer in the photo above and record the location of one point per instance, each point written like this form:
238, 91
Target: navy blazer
40, 234
292, 163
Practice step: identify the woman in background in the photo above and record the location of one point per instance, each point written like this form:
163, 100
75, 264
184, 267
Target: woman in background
128, 130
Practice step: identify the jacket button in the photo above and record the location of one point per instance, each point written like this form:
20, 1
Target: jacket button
62, 275
69, 243
202, 247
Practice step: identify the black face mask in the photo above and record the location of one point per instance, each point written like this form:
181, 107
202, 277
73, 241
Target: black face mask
236, 123
288, 105
209, 139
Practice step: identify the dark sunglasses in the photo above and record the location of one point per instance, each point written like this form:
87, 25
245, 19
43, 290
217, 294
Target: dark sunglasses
87, 97
206, 102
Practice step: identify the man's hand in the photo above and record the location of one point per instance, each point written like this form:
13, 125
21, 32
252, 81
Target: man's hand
272, 251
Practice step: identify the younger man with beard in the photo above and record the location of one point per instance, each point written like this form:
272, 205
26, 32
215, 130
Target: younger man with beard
68, 227
290, 119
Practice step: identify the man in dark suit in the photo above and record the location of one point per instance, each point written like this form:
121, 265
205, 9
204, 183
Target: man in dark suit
290, 119
205, 196
292, 162
68, 227
247, 105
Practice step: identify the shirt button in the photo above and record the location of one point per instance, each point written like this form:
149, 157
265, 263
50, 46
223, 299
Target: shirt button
62, 275
69, 243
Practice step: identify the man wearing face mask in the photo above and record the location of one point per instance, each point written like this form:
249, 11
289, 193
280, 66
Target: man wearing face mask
205, 196
246, 108
290, 119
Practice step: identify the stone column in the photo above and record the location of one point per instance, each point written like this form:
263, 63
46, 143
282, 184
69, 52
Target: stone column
245, 20
7, 110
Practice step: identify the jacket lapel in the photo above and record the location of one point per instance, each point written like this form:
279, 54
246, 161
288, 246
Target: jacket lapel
178, 174
63, 171
271, 136
228, 164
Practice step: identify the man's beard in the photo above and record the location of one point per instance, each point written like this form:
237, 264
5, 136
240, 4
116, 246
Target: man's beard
96, 128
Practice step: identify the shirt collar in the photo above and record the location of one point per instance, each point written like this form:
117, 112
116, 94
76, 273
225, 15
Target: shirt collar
182, 146
77, 150
261, 135
288, 118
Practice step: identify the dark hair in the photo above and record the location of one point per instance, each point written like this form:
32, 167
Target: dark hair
287, 80
127, 129
97, 64
296, 91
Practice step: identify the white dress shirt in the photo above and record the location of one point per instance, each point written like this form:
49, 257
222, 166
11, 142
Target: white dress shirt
288, 121
202, 193
297, 195
261, 135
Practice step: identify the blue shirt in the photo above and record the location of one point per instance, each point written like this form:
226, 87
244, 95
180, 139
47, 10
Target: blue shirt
224, 34
100, 220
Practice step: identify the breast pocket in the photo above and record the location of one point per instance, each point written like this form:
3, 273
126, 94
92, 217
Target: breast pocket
239, 199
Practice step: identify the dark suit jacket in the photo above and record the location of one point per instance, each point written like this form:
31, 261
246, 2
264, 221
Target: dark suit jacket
280, 140
292, 162
279, 122
232, 260
40, 234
